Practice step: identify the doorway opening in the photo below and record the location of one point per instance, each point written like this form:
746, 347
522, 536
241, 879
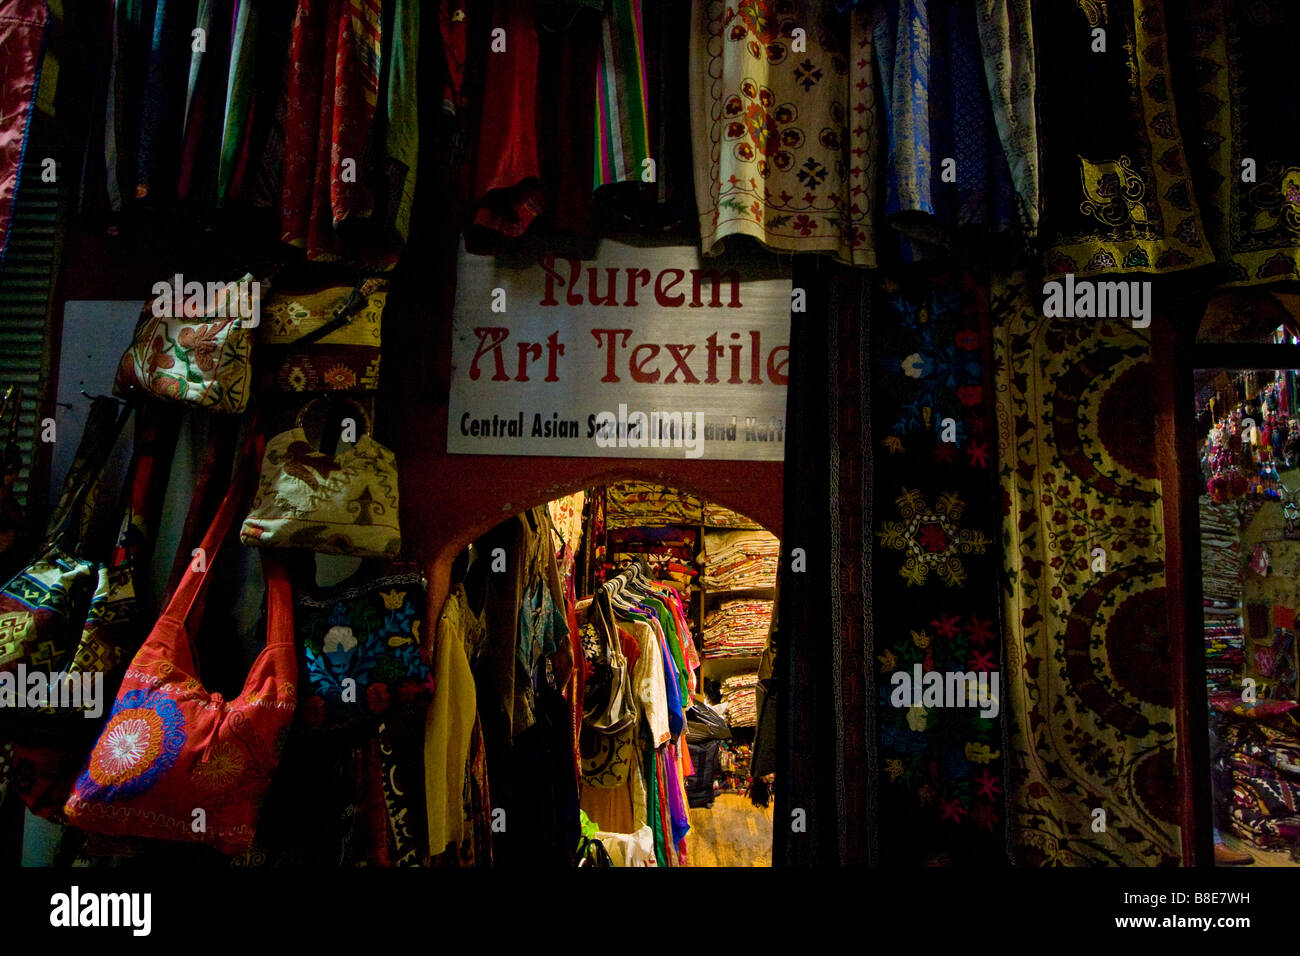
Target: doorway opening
642, 612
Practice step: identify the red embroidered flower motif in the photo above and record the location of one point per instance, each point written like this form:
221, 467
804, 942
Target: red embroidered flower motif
946, 626
951, 810
202, 341
377, 698
987, 785
165, 386
159, 357
804, 224
981, 632
932, 538
968, 340
970, 394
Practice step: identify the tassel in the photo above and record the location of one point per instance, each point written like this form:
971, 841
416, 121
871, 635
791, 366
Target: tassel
759, 793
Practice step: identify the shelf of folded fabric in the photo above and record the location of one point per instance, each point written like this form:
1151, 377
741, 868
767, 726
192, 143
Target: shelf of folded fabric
720, 668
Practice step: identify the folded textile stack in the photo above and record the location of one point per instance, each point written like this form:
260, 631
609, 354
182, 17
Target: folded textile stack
738, 692
737, 629
717, 516
740, 559
670, 552
1221, 559
1265, 764
633, 504
1221, 582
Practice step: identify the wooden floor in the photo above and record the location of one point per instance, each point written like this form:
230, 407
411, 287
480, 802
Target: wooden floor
1262, 857
733, 832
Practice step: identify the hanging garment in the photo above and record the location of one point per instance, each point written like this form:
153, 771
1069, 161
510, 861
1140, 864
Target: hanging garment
240, 76
205, 101
622, 132
22, 34
1007, 41
451, 721
1082, 655
163, 116
1119, 194
508, 186
783, 140
402, 130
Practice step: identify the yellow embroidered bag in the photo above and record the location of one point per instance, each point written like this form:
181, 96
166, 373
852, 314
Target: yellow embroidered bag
340, 503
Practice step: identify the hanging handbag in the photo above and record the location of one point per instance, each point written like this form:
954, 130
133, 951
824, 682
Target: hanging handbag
170, 748
330, 339
196, 355
361, 647
44, 607
51, 743
341, 503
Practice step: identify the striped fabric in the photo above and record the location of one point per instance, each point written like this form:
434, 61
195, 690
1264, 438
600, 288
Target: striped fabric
622, 132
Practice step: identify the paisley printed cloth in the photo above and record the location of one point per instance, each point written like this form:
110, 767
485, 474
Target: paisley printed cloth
783, 138
1089, 678
1119, 190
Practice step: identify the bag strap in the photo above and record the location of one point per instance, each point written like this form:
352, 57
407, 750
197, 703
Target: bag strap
357, 299
221, 445
279, 598
194, 583
96, 446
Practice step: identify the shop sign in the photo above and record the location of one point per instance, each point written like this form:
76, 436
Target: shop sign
641, 352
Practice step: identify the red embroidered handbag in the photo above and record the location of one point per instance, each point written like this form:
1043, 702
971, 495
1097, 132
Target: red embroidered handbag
179, 763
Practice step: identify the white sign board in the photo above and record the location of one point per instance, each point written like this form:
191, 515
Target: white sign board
642, 352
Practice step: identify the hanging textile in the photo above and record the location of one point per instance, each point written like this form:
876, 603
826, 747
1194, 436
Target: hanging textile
824, 680
240, 76
508, 186
1240, 55
936, 523
622, 134
161, 125
784, 140
1090, 685
22, 35
1007, 41
451, 722
402, 136
1118, 193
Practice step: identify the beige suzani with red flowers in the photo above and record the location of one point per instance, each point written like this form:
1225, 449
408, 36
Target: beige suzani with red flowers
784, 126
